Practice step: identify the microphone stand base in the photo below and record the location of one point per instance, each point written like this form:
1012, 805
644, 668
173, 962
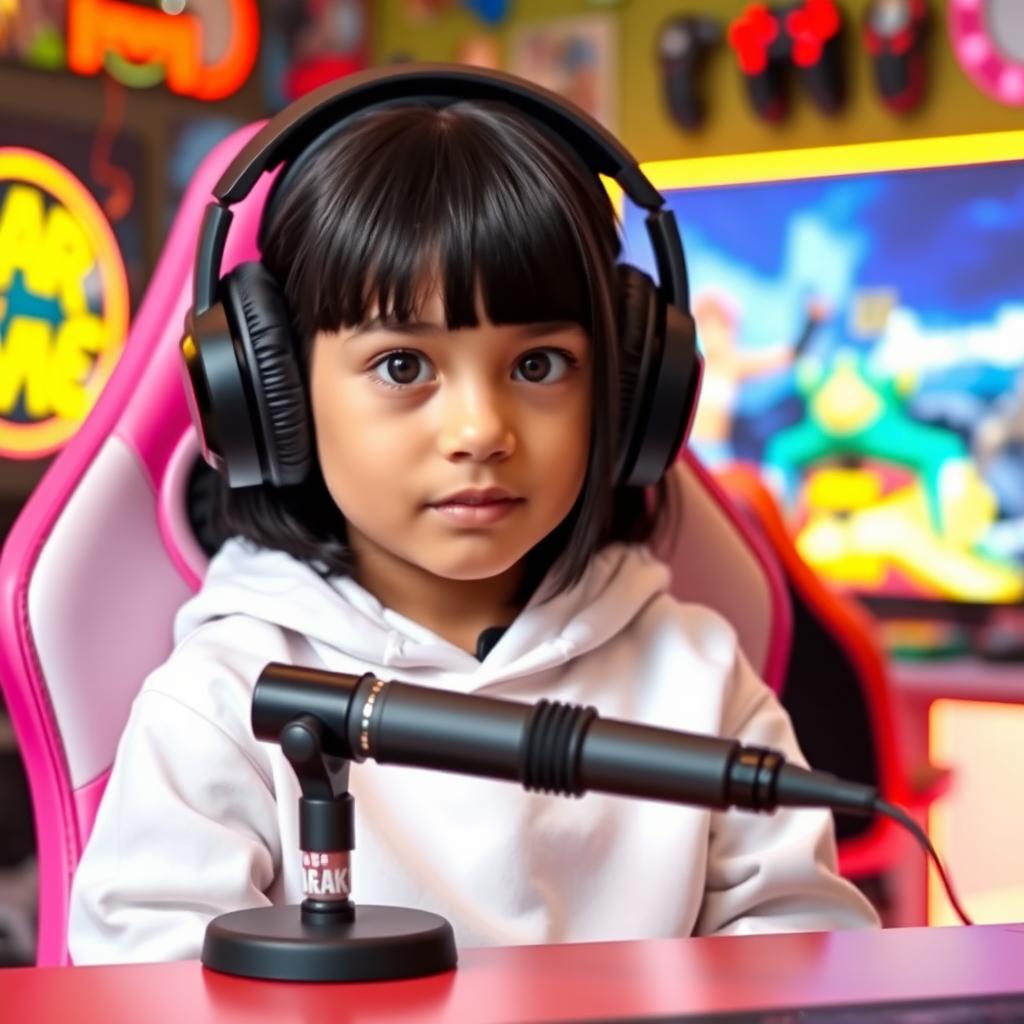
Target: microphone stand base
280, 943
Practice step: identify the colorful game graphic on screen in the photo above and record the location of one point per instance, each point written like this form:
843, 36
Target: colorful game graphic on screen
864, 344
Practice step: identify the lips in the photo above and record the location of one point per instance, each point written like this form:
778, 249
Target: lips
477, 496
476, 508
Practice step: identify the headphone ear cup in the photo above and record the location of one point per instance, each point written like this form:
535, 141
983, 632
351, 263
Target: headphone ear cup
660, 370
280, 415
637, 320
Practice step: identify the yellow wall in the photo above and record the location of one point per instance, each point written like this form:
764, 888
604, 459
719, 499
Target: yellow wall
952, 106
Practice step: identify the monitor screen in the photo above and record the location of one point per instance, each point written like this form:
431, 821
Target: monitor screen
861, 313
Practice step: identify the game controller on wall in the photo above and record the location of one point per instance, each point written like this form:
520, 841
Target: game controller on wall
683, 43
894, 34
807, 35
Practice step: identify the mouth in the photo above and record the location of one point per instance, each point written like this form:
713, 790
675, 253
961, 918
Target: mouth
477, 507
476, 496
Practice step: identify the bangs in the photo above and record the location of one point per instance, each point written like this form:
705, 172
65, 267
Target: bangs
459, 201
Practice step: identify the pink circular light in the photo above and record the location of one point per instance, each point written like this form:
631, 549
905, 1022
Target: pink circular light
975, 49
1011, 84
979, 55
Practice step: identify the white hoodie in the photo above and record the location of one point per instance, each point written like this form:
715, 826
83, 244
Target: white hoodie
199, 818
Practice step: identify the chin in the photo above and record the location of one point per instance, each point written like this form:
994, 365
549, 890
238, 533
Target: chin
466, 569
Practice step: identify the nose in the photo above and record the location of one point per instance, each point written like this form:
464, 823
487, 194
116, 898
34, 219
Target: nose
477, 425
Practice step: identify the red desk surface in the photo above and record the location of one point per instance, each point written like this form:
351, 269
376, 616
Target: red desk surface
544, 983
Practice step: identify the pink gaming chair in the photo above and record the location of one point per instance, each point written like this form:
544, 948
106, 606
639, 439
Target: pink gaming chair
103, 554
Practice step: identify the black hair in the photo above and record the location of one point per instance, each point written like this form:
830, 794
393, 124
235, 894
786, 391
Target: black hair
480, 193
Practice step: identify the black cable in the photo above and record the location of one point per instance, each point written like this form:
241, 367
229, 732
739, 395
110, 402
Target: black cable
903, 818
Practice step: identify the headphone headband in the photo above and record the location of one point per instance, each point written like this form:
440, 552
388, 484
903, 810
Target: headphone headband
302, 124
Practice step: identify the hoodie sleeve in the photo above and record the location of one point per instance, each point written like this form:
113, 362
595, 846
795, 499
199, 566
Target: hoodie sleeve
186, 830
773, 872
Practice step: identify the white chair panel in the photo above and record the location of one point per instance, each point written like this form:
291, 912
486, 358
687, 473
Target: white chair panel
712, 564
93, 634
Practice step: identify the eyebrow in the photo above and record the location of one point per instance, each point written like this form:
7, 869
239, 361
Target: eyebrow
418, 329
412, 327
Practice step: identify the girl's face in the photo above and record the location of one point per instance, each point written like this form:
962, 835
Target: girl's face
454, 451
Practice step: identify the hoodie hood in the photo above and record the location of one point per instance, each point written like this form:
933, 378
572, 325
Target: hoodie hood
338, 615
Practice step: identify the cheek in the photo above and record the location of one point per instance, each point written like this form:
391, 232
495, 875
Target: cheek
356, 475
564, 446
345, 446
368, 455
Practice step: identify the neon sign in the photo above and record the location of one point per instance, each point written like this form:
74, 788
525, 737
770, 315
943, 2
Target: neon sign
63, 303
988, 42
142, 46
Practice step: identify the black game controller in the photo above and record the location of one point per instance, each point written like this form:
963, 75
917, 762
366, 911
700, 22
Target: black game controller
683, 43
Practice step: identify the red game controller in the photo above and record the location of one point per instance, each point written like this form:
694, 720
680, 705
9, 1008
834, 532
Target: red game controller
807, 34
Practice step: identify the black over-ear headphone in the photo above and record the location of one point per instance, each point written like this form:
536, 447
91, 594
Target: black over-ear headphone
244, 382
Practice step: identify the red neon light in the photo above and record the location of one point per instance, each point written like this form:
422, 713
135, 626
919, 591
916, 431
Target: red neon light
142, 35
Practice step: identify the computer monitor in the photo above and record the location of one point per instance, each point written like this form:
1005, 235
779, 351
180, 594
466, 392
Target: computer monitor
861, 312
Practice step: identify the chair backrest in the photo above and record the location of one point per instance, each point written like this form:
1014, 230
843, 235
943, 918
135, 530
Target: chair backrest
103, 554
719, 560
837, 692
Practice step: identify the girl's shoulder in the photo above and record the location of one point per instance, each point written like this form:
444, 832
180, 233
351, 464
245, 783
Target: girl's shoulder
670, 621
697, 647
676, 664
634, 602
213, 669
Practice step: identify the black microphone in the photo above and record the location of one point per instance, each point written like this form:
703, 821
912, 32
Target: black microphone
324, 720
548, 746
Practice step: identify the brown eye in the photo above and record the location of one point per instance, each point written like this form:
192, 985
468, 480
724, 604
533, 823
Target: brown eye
402, 368
544, 366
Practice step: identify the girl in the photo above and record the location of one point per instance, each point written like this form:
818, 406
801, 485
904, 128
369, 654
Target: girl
449, 275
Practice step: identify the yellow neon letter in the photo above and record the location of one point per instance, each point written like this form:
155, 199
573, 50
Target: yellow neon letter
21, 234
78, 341
70, 258
23, 360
